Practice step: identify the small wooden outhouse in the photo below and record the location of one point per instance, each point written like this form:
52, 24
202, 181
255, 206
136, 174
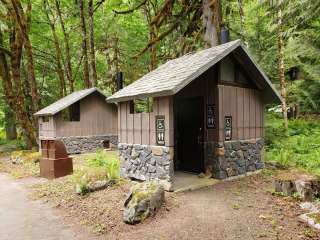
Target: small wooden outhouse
83, 120
202, 112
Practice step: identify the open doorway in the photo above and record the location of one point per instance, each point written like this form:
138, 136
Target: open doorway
189, 124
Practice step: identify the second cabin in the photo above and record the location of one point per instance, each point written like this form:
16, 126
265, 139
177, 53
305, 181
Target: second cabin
83, 120
203, 112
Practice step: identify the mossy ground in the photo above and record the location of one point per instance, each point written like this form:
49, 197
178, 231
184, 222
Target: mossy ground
315, 217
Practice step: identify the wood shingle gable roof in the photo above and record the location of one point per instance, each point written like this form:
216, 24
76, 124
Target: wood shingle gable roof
174, 75
67, 101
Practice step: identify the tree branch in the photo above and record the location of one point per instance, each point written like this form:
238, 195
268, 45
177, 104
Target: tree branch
5, 51
130, 10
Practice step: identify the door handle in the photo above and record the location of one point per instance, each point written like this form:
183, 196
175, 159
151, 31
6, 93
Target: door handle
200, 140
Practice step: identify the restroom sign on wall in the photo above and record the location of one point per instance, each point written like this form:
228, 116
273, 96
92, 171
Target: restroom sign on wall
211, 118
227, 128
160, 130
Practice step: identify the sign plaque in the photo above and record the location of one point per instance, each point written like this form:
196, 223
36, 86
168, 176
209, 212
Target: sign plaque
211, 117
160, 130
227, 128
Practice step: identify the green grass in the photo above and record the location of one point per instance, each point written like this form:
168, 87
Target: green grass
300, 148
101, 165
7, 146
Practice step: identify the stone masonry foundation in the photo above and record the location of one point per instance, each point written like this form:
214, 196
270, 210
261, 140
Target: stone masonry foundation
82, 144
233, 158
144, 162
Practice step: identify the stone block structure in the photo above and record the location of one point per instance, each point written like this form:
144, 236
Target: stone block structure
204, 112
144, 162
83, 144
234, 158
83, 121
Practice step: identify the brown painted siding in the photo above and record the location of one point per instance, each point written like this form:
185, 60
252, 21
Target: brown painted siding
96, 118
245, 107
139, 128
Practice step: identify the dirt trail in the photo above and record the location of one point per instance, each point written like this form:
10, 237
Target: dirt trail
23, 219
241, 209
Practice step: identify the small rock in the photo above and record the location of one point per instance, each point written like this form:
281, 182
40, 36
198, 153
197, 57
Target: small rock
220, 151
144, 200
157, 151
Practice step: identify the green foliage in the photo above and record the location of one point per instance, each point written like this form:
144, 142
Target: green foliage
125, 35
98, 166
107, 160
301, 148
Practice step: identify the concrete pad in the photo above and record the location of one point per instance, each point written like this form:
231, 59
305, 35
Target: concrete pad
184, 181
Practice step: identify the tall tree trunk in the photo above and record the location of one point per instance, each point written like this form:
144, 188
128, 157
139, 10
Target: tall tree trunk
152, 35
84, 45
67, 48
241, 15
281, 66
21, 19
13, 92
58, 54
112, 57
10, 125
212, 20
91, 41
153, 49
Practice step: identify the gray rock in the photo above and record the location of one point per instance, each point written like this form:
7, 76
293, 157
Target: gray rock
259, 165
152, 169
236, 145
143, 200
228, 145
220, 175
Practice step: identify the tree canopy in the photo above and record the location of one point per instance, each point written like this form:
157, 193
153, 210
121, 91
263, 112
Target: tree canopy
50, 48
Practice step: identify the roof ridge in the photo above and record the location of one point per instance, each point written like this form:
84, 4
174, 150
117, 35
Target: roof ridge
68, 100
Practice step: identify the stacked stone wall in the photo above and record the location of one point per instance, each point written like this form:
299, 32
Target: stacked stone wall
145, 162
81, 144
233, 158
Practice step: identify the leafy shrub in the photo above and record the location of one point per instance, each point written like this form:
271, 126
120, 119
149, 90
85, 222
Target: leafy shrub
107, 161
299, 148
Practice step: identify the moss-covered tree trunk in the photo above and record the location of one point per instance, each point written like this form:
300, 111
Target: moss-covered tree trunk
84, 45
58, 53
92, 47
281, 66
66, 48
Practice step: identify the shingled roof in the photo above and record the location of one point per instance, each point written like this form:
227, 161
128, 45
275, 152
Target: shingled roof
171, 77
67, 101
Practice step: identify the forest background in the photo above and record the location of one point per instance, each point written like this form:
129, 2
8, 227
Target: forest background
50, 48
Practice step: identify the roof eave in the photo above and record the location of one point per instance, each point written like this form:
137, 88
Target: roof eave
178, 88
141, 96
94, 89
276, 97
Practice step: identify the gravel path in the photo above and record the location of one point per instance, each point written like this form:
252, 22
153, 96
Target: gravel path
23, 219
238, 210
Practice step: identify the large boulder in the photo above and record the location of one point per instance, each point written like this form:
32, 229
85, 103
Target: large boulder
144, 200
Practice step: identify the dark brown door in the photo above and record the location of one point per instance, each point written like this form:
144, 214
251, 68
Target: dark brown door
190, 134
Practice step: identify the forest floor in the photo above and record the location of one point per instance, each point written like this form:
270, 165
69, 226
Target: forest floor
245, 208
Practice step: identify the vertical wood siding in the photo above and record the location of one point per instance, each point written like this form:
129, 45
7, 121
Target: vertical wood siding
139, 128
96, 118
47, 129
247, 111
